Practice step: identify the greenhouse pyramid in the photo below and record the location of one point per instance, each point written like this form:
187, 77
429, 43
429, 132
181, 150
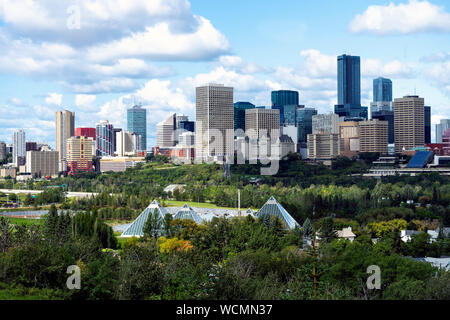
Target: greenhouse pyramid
187, 213
136, 229
273, 209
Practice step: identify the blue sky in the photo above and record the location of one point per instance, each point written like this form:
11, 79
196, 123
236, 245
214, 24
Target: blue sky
156, 52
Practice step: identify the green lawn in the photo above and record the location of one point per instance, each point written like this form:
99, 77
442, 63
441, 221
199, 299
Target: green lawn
25, 221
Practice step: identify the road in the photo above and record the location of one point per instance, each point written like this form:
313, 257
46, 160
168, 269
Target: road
34, 192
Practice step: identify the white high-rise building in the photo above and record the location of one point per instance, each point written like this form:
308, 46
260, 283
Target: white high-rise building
127, 143
325, 123
165, 132
214, 130
65, 128
440, 129
19, 148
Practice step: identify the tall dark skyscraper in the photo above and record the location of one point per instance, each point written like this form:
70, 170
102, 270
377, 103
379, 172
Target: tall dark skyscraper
349, 80
239, 114
427, 124
349, 88
284, 98
137, 123
382, 90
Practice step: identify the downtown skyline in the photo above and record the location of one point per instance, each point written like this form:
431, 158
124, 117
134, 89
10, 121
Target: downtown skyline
48, 67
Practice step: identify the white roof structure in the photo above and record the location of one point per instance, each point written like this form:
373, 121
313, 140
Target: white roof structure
346, 233
187, 213
273, 209
136, 229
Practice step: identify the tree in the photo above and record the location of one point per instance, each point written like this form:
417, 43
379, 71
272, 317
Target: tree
326, 230
153, 226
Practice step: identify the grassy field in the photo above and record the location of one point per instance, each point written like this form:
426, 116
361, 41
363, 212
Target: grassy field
25, 221
8, 292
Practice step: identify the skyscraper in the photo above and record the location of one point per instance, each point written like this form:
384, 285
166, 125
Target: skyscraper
2, 151
382, 90
427, 111
284, 98
349, 88
239, 114
325, 123
440, 129
409, 120
214, 128
373, 136
166, 132
137, 123
79, 154
262, 122
19, 148
388, 116
104, 139
304, 123
65, 128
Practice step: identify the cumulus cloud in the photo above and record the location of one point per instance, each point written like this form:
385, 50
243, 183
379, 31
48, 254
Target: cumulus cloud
54, 99
394, 68
238, 64
412, 17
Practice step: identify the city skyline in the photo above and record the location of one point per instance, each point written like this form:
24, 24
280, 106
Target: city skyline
282, 53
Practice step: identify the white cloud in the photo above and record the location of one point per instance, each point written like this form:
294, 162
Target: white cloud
85, 101
113, 85
238, 64
415, 16
54, 99
394, 68
318, 64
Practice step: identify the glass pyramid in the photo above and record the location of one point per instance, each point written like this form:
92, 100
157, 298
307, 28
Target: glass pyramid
137, 227
187, 213
273, 208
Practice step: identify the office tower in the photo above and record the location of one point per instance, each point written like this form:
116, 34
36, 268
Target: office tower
388, 116
166, 132
381, 106
349, 88
137, 123
19, 148
181, 118
446, 142
239, 114
2, 151
285, 98
373, 136
291, 132
42, 163
65, 128
304, 123
104, 139
184, 126
409, 123
214, 127
427, 111
440, 129
323, 146
325, 123
128, 143
349, 138
262, 122
382, 90
31, 146
289, 114
79, 154
115, 131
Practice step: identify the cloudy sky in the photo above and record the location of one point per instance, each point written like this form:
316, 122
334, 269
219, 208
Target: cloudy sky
156, 51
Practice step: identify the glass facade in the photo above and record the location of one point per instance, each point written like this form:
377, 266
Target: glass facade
388, 116
137, 123
239, 114
104, 139
427, 124
349, 80
284, 98
382, 90
304, 123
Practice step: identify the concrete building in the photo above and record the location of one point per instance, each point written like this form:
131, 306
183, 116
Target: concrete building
388, 116
440, 129
409, 123
104, 132
166, 132
65, 128
79, 154
214, 128
325, 123
446, 142
262, 122
19, 148
8, 172
349, 138
127, 143
31, 146
3, 154
119, 164
323, 146
42, 163
374, 136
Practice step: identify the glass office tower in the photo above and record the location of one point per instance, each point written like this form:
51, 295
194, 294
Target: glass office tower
304, 123
382, 90
285, 98
137, 123
427, 124
239, 114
